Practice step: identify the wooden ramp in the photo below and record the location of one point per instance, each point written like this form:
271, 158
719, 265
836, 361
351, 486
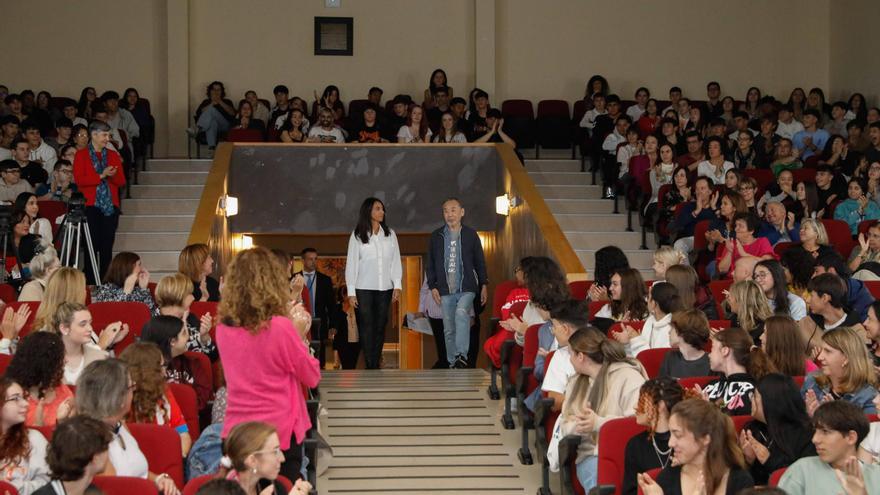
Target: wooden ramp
419, 432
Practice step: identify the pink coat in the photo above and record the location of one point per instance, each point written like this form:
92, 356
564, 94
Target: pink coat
264, 377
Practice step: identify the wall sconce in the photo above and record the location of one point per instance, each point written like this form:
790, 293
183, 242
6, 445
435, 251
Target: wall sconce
505, 203
229, 205
240, 242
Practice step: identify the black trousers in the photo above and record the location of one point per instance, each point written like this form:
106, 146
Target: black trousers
372, 316
103, 233
293, 460
439, 342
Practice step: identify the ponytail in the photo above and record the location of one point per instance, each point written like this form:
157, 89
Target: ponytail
745, 353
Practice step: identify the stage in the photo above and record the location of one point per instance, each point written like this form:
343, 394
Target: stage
418, 432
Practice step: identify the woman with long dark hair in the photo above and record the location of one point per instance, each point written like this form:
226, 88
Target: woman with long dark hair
770, 276
608, 260
438, 80
330, 100
781, 432
373, 275
87, 98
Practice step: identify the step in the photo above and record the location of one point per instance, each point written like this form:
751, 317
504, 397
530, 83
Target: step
172, 178
553, 165
583, 206
150, 241
174, 192
159, 206
598, 239
155, 223
561, 178
586, 222
158, 261
174, 165
571, 192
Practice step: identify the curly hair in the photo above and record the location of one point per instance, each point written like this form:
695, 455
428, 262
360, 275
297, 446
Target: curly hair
609, 259
14, 444
38, 362
800, 265
144, 360
255, 290
661, 389
546, 282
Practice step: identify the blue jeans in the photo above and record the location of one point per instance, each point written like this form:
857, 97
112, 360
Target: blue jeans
587, 472
457, 323
213, 123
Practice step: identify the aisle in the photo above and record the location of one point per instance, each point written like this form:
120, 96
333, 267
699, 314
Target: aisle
414, 432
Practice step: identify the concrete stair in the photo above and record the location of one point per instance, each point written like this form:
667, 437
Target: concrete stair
156, 221
587, 220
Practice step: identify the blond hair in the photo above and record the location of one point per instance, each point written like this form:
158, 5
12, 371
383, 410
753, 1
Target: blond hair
255, 290
64, 315
669, 256
859, 371
818, 227
753, 305
244, 440
191, 260
65, 285
173, 289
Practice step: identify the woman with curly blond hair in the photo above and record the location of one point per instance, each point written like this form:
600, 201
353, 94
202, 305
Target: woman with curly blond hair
151, 401
262, 342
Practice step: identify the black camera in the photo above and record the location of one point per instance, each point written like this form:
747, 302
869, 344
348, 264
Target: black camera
76, 208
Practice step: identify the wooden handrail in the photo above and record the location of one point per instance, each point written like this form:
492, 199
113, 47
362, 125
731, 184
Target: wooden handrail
215, 187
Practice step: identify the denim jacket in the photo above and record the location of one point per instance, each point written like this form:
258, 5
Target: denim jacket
863, 397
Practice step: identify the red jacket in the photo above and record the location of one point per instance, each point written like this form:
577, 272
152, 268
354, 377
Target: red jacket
87, 180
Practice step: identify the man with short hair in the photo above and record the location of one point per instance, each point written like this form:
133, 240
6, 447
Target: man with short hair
458, 107
695, 154
321, 298
63, 131
839, 427
829, 187
740, 124
588, 121
282, 103
873, 151
565, 319
14, 107
38, 150
70, 112
713, 100
811, 140
692, 213
779, 225
480, 113
838, 122
399, 111
441, 104
11, 184
120, 118
856, 139
33, 172
456, 272
786, 157
326, 131
636, 111
8, 132
374, 96
787, 126
495, 132
827, 307
60, 186
674, 96
858, 297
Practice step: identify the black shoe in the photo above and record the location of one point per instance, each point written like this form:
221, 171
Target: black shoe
440, 365
460, 363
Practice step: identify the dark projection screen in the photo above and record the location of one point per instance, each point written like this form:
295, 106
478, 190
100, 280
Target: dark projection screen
319, 189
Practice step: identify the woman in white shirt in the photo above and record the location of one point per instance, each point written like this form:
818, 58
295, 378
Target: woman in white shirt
372, 274
24, 450
448, 132
663, 300
660, 175
74, 323
104, 392
716, 166
416, 129
27, 202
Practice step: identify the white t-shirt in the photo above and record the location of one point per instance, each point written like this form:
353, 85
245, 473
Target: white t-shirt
635, 112
405, 135
332, 136
589, 119
788, 130
871, 443
128, 461
558, 371
706, 169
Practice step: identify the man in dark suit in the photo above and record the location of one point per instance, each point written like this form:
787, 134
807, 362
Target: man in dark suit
320, 289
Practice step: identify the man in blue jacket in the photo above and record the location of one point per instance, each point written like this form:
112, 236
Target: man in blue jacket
456, 271
858, 297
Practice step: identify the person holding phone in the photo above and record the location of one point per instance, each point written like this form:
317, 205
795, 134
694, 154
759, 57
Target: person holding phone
97, 172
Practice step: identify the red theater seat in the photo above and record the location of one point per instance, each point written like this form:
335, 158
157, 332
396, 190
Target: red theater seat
123, 485
135, 314
161, 447
651, 359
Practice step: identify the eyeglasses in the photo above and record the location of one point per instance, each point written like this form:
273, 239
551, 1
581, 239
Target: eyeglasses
276, 452
760, 275
17, 397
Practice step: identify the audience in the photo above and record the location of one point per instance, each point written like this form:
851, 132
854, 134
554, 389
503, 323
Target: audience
857, 207
38, 366
254, 460
104, 392
126, 280
706, 456
689, 336
22, 450
74, 323
741, 364
846, 373
783, 344
663, 300
565, 319
749, 307
195, 262
839, 429
628, 297
78, 452
606, 386
42, 265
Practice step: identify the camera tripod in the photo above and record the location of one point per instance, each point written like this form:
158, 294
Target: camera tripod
74, 226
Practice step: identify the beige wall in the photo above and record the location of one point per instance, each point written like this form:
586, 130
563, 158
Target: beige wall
170, 49
62, 46
397, 43
551, 52
855, 59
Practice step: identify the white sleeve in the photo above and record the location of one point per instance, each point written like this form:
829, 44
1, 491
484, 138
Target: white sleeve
797, 307
351, 264
314, 131
403, 132
609, 145
557, 378
604, 312
871, 443
43, 228
38, 470
132, 127
642, 341
396, 265
586, 123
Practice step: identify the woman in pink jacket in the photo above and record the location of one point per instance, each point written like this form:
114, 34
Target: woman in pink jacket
262, 342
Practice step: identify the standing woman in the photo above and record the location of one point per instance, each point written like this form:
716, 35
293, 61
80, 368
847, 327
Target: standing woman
195, 262
372, 274
97, 172
262, 342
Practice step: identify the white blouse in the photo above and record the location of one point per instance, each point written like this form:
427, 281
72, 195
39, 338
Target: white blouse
126, 456
375, 265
